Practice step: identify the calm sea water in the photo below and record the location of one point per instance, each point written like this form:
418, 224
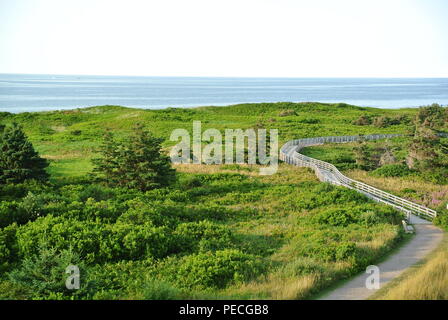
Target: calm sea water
19, 93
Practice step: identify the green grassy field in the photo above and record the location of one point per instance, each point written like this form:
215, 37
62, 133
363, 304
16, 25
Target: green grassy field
222, 231
63, 136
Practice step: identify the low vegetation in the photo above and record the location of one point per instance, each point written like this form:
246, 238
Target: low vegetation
426, 281
217, 231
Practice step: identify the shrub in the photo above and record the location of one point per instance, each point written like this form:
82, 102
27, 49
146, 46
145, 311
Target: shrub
382, 122
190, 182
117, 280
286, 113
336, 217
164, 194
107, 211
96, 242
437, 175
363, 120
372, 213
44, 273
345, 251
96, 192
330, 251
15, 191
323, 195
8, 213
309, 121
14, 291
392, 170
145, 241
214, 269
203, 236
160, 290
8, 247
300, 267
32, 206
442, 218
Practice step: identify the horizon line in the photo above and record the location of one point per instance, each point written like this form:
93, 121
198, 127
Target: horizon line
227, 77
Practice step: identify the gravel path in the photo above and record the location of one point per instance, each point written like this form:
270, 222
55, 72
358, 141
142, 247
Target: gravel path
426, 239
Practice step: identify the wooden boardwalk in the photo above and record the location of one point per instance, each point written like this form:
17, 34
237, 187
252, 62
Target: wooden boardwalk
326, 172
427, 237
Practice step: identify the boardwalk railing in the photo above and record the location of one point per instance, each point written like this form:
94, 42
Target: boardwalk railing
327, 172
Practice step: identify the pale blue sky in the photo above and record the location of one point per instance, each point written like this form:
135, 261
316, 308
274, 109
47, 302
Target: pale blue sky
259, 38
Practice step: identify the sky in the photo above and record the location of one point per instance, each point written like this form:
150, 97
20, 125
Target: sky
226, 38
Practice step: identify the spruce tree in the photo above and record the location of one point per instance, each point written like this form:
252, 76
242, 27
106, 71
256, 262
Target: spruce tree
363, 155
427, 151
136, 163
107, 166
18, 159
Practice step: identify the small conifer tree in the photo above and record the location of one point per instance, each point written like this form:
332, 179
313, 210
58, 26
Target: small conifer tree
18, 159
135, 163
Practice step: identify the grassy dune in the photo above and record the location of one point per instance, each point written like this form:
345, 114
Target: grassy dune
285, 236
69, 138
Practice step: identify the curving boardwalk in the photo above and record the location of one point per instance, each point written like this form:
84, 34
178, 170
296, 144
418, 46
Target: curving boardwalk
326, 172
427, 237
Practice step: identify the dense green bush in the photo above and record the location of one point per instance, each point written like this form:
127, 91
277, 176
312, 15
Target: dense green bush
329, 251
117, 280
202, 236
392, 170
365, 214
214, 269
27, 209
442, 217
96, 242
43, 273
190, 182
323, 195
436, 175
336, 217
8, 247
8, 213
157, 243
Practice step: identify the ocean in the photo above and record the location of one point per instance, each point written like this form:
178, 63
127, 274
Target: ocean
27, 93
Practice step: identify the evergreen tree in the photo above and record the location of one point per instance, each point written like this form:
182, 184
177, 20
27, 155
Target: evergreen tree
363, 155
18, 159
426, 151
136, 163
108, 165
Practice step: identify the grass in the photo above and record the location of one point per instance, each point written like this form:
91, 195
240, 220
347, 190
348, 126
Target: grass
412, 188
75, 134
428, 280
274, 218
406, 238
280, 230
